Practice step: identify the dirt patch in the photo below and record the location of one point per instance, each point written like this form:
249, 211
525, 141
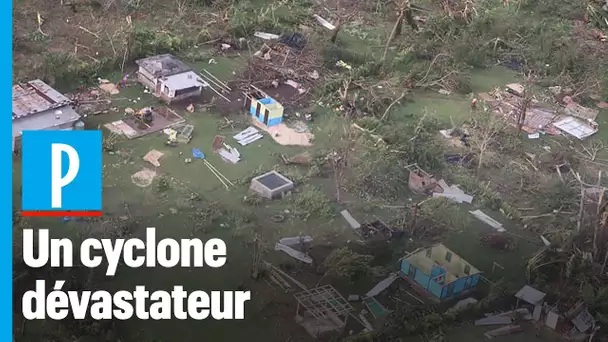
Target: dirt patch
287, 136
143, 178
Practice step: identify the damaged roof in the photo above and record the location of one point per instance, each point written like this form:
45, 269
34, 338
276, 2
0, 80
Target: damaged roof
36, 97
163, 65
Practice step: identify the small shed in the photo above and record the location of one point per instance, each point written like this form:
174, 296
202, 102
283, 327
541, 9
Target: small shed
324, 310
439, 273
262, 107
169, 78
37, 106
271, 185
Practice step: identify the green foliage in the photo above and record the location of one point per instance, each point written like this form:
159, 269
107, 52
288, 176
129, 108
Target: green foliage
248, 17
312, 202
345, 263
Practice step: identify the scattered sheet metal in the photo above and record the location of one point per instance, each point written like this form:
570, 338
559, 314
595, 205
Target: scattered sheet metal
488, 220
296, 240
494, 320
293, 253
266, 36
530, 295
324, 22
581, 317
576, 110
365, 322
545, 241
229, 154
382, 285
354, 298
521, 313
460, 198
350, 219
375, 308
511, 329
575, 127
538, 310
248, 136
551, 320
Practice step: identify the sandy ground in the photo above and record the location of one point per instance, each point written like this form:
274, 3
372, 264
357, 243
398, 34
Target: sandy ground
286, 136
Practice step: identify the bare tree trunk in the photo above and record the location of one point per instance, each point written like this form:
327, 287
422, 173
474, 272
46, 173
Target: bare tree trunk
399, 28
393, 33
334, 34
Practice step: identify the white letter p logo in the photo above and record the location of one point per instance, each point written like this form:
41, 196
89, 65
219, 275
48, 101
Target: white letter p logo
58, 181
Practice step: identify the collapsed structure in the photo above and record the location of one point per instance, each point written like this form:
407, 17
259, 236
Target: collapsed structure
37, 106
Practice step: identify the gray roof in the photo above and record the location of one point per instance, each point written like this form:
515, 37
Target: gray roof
57, 118
36, 97
163, 65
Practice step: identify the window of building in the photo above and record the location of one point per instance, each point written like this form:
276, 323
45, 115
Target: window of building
412, 271
467, 269
448, 256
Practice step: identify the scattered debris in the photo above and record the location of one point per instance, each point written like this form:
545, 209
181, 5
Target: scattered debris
324, 22
444, 92
488, 220
530, 295
229, 154
534, 135
325, 310
344, 65
552, 319
576, 127
292, 241
463, 304
153, 156
375, 308
143, 178
350, 219
108, 87
266, 36
382, 285
248, 136
190, 108
293, 253
494, 320
509, 330
581, 318
452, 192
354, 298
515, 88
198, 154
545, 241
297, 86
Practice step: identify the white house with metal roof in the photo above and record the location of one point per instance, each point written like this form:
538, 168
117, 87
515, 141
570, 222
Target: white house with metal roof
37, 106
169, 78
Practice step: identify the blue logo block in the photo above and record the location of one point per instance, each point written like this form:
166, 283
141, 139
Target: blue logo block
61, 170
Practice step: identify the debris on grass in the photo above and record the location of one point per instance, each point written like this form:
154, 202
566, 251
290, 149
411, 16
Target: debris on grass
143, 178
153, 156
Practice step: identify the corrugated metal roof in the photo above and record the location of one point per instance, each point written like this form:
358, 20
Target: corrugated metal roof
35, 97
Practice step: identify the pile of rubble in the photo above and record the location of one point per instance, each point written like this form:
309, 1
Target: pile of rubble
570, 118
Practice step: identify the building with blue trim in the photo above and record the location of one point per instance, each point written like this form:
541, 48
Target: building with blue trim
263, 108
439, 272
